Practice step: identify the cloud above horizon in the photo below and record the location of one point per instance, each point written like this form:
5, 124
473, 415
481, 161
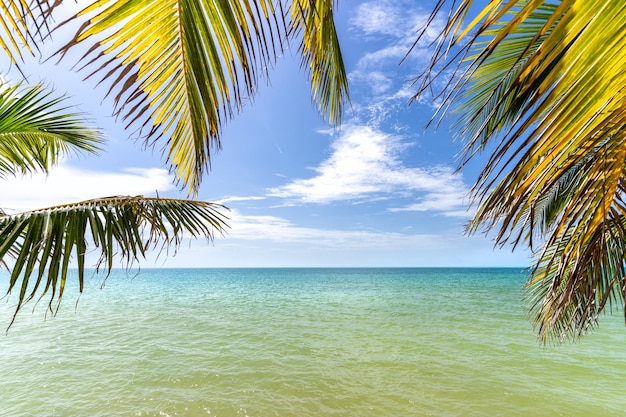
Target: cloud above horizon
278, 229
396, 56
66, 184
365, 164
366, 159
275, 241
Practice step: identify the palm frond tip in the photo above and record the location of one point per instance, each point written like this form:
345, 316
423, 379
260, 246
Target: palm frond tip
542, 83
41, 244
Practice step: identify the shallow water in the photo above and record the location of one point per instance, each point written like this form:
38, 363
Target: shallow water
304, 342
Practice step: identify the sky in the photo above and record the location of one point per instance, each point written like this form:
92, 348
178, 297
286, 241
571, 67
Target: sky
379, 191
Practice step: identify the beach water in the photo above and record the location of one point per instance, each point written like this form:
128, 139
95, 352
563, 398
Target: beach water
304, 342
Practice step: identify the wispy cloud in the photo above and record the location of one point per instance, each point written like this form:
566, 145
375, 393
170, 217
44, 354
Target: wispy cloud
273, 228
237, 199
365, 161
275, 241
365, 164
392, 28
449, 203
66, 184
395, 18
271, 240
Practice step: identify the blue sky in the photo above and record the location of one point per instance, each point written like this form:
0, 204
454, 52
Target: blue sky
378, 191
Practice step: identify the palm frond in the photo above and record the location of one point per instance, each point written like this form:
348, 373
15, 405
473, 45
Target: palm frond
37, 129
566, 293
312, 20
23, 25
16, 18
179, 69
41, 244
544, 82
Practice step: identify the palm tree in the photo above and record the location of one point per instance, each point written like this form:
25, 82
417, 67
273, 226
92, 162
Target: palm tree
541, 86
178, 69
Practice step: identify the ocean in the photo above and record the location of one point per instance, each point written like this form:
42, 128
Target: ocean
303, 342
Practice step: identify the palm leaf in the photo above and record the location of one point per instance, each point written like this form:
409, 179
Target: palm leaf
179, 69
312, 20
23, 25
36, 130
544, 82
15, 36
42, 243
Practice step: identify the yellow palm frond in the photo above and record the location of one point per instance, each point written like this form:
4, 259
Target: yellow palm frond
544, 81
15, 20
312, 20
23, 26
180, 69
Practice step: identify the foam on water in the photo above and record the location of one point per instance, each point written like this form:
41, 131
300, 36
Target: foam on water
304, 342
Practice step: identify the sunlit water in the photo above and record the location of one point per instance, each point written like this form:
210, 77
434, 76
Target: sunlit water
304, 342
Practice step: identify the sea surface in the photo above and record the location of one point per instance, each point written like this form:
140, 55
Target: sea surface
303, 342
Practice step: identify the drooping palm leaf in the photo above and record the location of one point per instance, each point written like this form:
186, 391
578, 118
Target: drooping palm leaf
180, 68
545, 83
582, 267
37, 129
23, 25
15, 35
43, 242
312, 20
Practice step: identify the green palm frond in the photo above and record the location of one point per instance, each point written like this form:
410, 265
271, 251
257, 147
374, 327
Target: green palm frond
179, 69
495, 92
36, 130
544, 83
312, 20
582, 267
41, 244
568, 293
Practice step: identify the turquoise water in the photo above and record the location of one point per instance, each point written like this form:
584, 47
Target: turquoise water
304, 342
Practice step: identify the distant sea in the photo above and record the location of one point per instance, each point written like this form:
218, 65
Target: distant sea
304, 342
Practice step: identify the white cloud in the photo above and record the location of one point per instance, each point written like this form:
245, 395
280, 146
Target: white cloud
448, 203
391, 54
376, 18
379, 82
234, 198
393, 27
277, 229
400, 22
271, 241
365, 164
387, 17
66, 184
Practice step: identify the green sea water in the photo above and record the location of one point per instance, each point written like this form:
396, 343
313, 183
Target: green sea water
304, 342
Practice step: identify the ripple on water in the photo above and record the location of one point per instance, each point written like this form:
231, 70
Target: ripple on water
357, 342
